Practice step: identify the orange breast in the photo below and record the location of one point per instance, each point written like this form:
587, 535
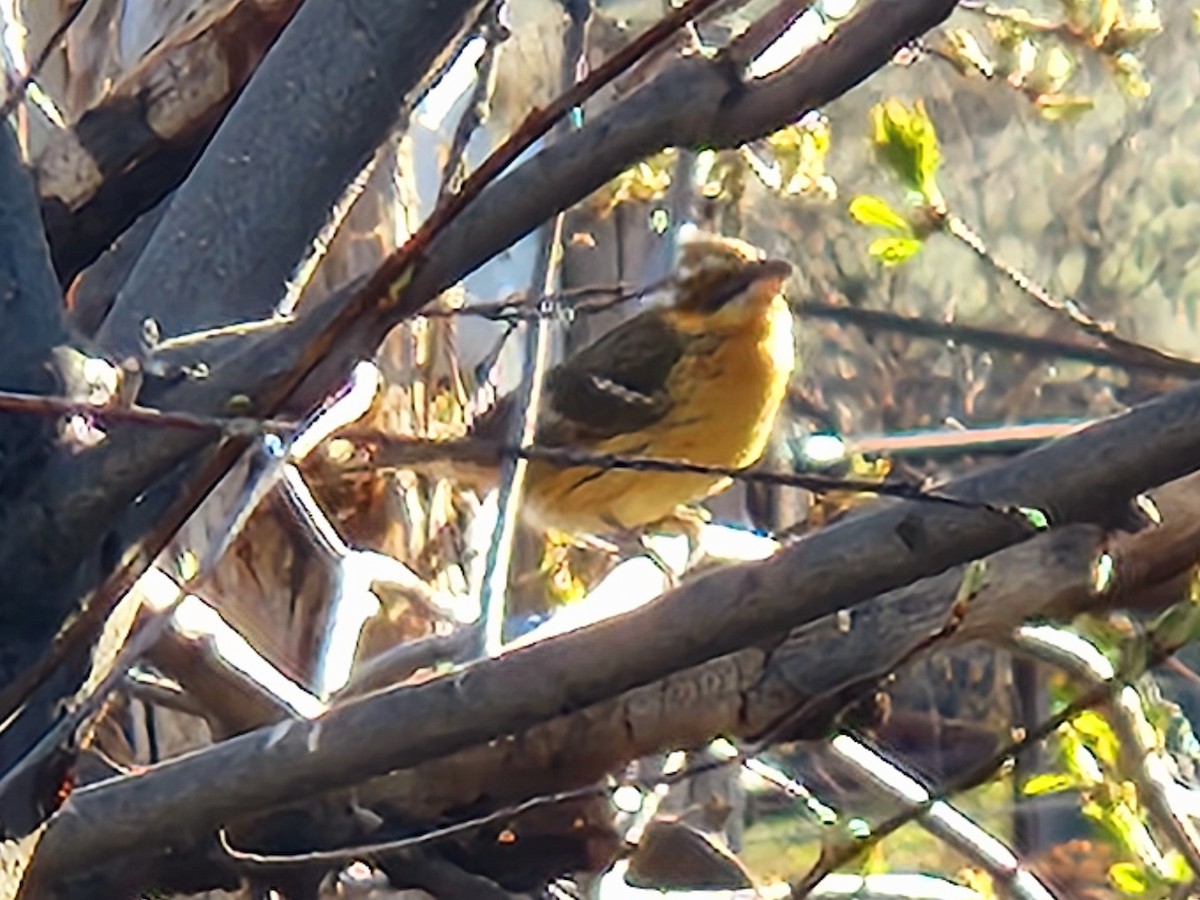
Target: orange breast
724, 404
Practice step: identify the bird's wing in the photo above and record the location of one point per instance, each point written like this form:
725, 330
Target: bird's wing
615, 385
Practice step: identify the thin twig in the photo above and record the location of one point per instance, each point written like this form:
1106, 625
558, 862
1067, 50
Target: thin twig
765, 31
368, 851
14, 401
872, 320
396, 453
494, 587
1068, 308
493, 32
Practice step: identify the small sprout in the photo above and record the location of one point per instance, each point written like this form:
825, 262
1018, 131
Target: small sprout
239, 405
398, 284
905, 243
1130, 76
971, 584
859, 829
1035, 517
1049, 783
1103, 575
151, 334
1146, 505
867, 209
800, 151
645, 181
188, 565
1129, 878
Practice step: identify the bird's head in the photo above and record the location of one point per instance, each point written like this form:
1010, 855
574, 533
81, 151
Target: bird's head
727, 280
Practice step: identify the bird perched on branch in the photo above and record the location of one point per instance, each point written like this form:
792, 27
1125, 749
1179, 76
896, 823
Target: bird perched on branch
699, 379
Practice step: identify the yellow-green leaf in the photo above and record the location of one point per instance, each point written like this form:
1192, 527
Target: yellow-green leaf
1050, 783
1129, 878
1035, 517
867, 209
1099, 735
891, 251
1175, 867
907, 143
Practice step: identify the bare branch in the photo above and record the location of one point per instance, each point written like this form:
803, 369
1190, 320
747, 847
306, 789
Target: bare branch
136, 145
31, 304
1081, 477
875, 320
244, 218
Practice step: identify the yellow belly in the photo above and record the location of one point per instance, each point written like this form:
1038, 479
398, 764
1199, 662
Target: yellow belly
724, 405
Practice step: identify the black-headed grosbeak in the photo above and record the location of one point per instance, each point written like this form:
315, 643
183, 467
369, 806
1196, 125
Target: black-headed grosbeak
700, 379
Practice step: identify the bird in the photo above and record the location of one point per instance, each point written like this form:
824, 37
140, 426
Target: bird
700, 378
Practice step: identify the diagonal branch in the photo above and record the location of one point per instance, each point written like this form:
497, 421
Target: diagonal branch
1081, 477
329, 92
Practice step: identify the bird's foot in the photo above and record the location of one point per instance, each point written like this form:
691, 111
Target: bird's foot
688, 521
630, 542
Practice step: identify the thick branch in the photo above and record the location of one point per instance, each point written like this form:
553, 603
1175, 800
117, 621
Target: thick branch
745, 693
328, 93
30, 302
1081, 477
136, 145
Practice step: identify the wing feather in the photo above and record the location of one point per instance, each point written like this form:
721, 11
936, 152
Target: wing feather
615, 385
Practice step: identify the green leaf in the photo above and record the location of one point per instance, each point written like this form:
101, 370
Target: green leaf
1050, 783
906, 142
892, 251
1035, 517
1176, 868
1099, 735
1129, 878
867, 209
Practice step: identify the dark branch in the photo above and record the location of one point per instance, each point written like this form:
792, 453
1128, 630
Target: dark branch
329, 95
1080, 478
874, 320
